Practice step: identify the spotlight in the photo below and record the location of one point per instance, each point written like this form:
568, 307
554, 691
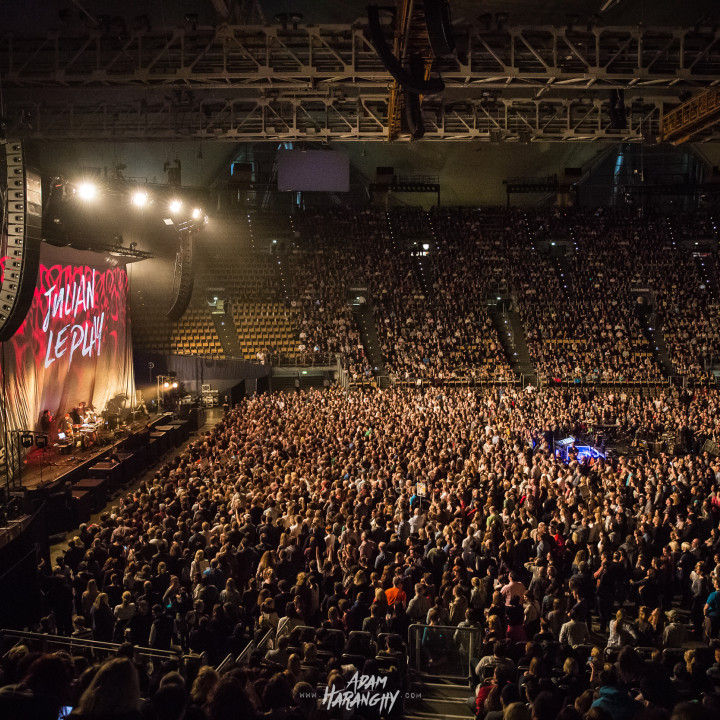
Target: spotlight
174, 384
140, 198
41, 441
26, 440
86, 191
175, 206
196, 214
166, 384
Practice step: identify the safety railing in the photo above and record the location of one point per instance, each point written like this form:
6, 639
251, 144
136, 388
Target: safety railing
577, 383
443, 650
97, 650
458, 382
226, 665
304, 359
255, 644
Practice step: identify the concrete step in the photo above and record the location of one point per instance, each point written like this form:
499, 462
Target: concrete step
368, 334
438, 699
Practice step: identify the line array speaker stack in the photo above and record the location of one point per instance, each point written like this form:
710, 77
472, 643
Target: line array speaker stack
183, 280
22, 246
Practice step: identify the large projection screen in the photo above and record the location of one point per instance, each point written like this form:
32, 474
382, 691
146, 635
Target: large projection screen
74, 344
313, 170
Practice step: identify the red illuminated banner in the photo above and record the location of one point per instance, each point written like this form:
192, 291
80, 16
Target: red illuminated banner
74, 344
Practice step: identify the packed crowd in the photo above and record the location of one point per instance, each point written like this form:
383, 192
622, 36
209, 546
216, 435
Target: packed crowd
572, 273
322, 525
581, 323
430, 312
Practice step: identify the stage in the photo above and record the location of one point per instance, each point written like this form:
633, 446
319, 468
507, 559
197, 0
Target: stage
46, 465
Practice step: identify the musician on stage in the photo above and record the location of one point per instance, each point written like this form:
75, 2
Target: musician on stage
89, 416
66, 425
75, 416
46, 420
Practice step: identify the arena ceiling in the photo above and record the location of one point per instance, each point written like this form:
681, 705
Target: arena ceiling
156, 90
526, 71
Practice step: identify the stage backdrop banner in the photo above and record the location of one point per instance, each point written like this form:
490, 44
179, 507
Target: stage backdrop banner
75, 343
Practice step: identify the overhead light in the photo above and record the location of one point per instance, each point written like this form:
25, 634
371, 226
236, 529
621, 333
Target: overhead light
174, 384
196, 214
86, 191
175, 206
140, 198
168, 221
166, 384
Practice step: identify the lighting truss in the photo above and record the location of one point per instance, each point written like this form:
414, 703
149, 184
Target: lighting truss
242, 83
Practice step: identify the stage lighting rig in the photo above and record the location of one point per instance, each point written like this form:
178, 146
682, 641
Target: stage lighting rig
175, 206
87, 191
140, 199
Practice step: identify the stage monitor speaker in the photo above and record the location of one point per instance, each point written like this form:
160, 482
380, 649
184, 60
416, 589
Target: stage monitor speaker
24, 223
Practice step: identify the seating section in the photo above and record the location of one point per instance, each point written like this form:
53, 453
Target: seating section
195, 334
250, 279
264, 327
244, 274
424, 331
580, 321
572, 274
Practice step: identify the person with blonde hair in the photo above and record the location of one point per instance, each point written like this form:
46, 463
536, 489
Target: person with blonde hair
114, 692
126, 609
89, 597
622, 632
203, 686
200, 564
103, 619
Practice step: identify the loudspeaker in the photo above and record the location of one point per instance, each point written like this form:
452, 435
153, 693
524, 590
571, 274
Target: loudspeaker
24, 217
439, 27
413, 112
183, 281
392, 64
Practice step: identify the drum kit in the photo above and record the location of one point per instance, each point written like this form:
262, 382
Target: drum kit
100, 429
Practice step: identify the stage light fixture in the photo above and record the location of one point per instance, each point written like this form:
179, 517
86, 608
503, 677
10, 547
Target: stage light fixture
175, 206
166, 384
87, 191
41, 441
168, 221
140, 198
196, 214
26, 440
174, 384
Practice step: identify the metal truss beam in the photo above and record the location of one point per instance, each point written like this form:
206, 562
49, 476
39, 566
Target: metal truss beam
695, 115
269, 56
313, 117
254, 83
